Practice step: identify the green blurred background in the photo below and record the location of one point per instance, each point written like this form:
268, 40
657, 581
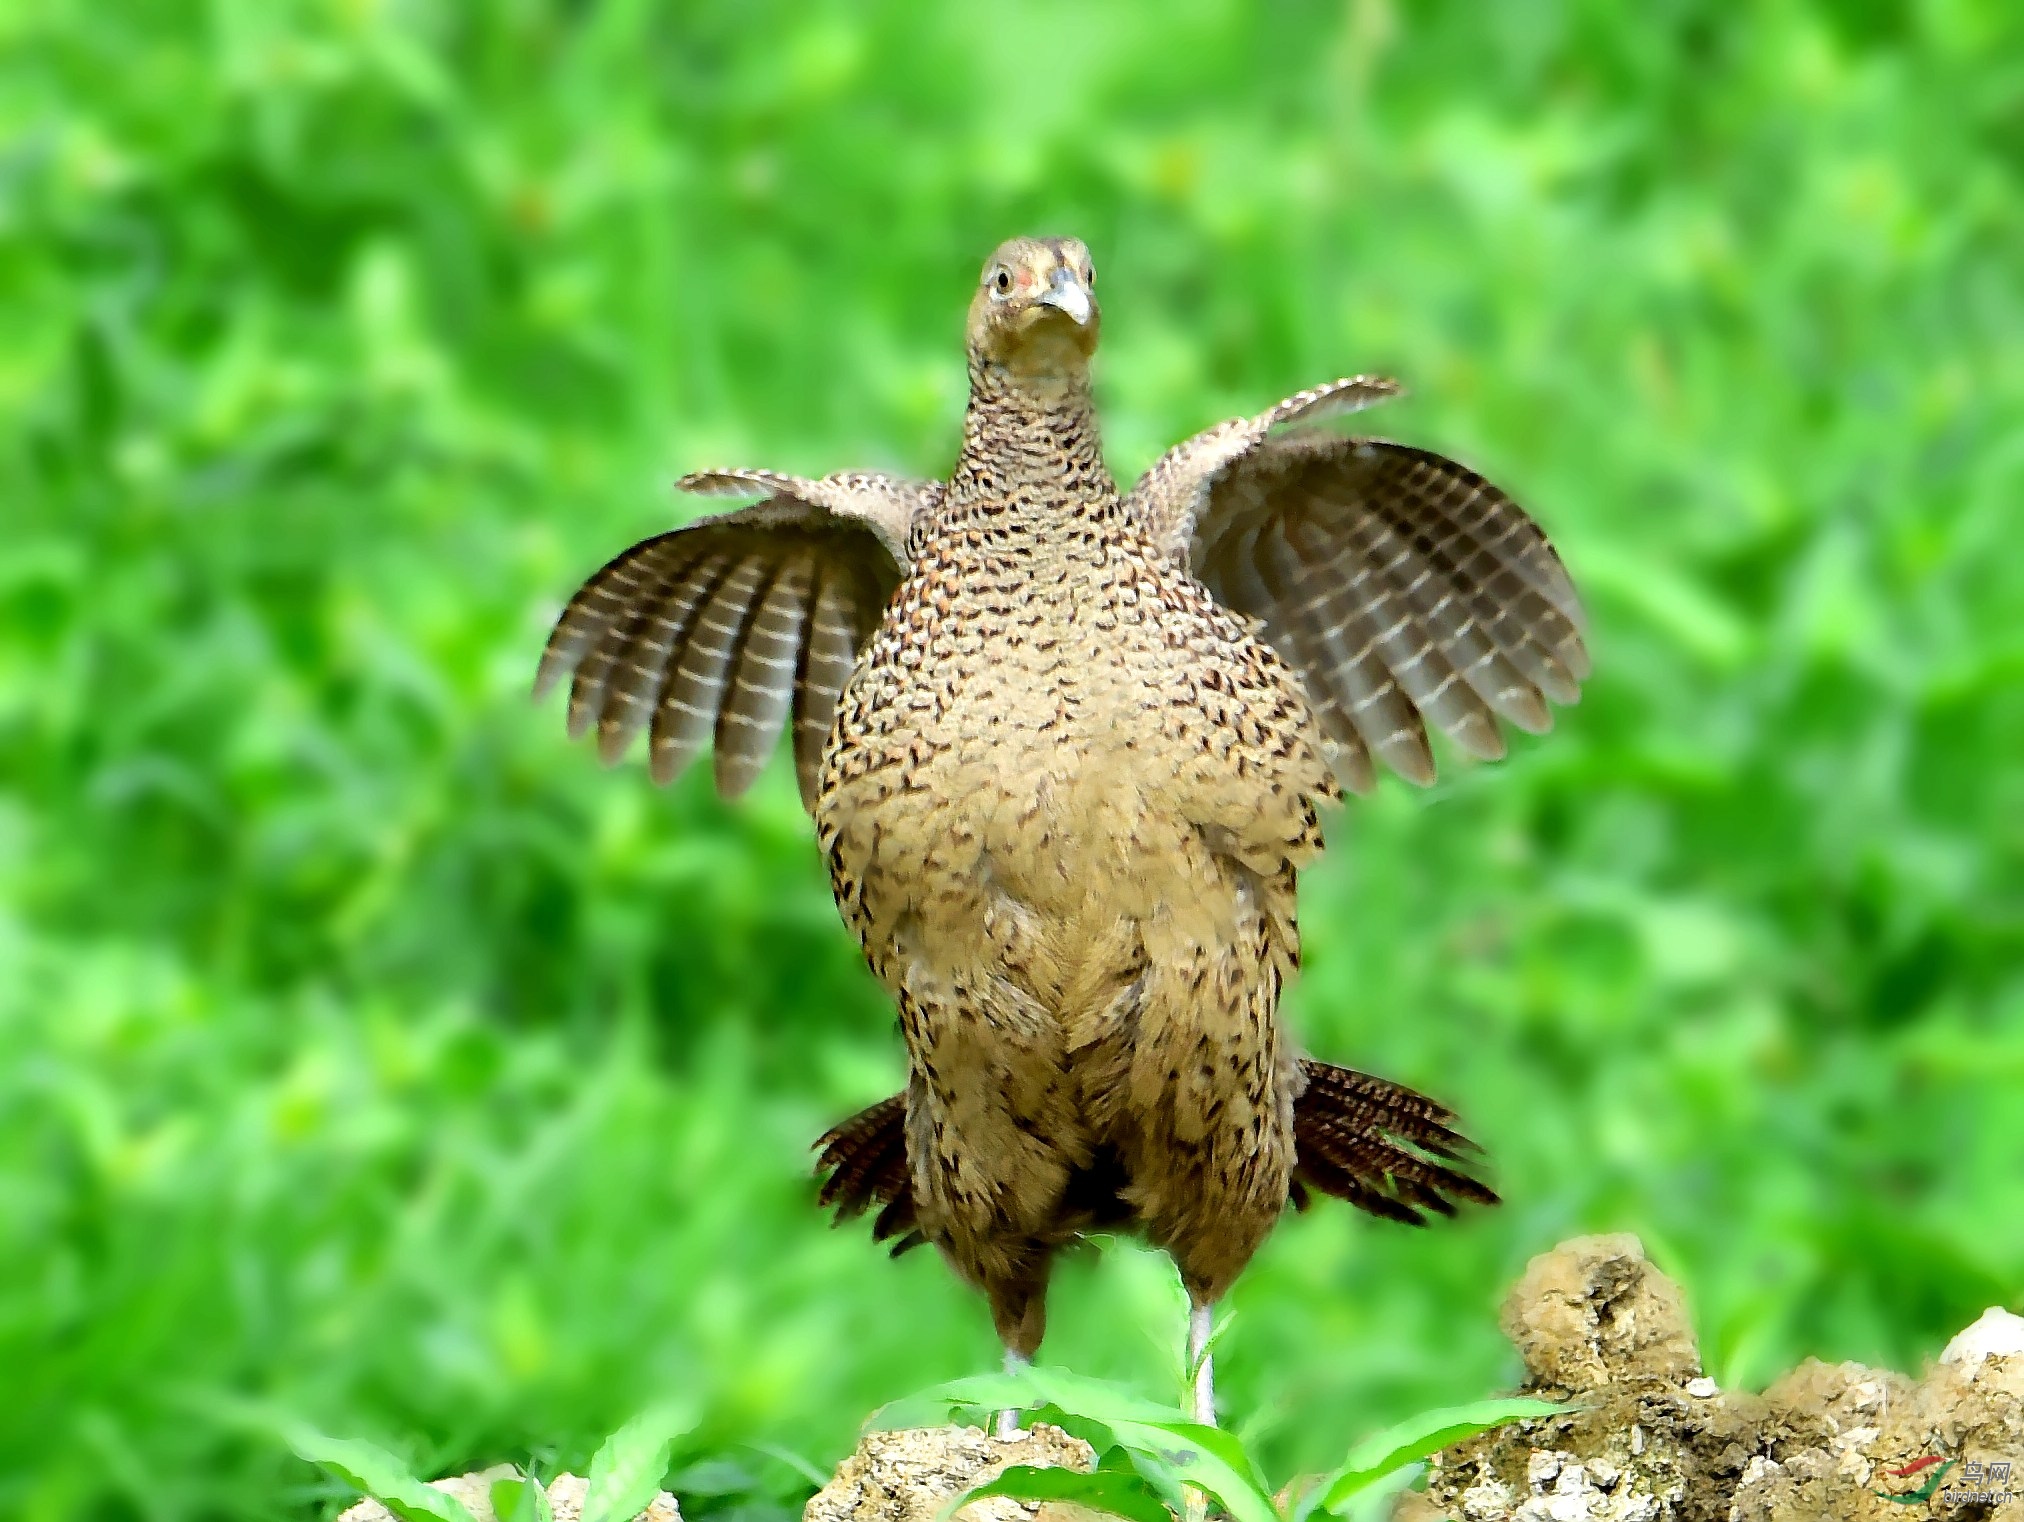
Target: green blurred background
366, 1048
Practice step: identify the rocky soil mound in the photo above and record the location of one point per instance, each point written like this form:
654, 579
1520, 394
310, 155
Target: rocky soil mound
1651, 1439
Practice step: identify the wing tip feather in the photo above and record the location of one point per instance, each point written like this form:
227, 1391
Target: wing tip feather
725, 483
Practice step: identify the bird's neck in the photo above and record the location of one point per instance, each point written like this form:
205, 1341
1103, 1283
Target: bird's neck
1032, 456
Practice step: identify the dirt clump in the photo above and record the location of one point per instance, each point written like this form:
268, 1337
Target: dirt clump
1648, 1438
907, 1476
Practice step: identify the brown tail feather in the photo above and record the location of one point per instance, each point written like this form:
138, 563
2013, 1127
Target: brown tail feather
895, 1224
865, 1158
1379, 1145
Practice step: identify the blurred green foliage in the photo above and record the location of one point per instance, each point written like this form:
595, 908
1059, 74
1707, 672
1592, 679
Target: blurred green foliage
366, 1049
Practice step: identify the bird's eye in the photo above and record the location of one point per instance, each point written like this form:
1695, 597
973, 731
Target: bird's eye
1089, 277
1002, 282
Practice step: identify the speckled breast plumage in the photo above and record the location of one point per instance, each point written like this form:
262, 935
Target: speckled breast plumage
1061, 807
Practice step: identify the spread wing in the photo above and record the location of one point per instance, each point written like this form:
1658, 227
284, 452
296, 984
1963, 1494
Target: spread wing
725, 629
1403, 587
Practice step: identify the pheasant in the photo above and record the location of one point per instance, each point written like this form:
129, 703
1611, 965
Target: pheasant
1066, 750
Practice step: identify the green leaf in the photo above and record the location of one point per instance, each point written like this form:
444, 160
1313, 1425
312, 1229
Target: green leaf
1428, 1433
935, 1406
625, 1474
1169, 1451
1076, 1394
1121, 1492
712, 1477
794, 1461
1096, 1398
1380, 1499
521, 1499
1205, 1457
369, 1468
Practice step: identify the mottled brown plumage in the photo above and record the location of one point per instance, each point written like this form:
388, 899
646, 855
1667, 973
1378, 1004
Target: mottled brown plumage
1065, 750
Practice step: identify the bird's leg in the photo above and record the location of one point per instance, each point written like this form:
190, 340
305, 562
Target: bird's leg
1201, 1363
1019, 1311
1008, 1419
1202, 1381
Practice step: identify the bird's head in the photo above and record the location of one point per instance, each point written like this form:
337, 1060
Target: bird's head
1035, 310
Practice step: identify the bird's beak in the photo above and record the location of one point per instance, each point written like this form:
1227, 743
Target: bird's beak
1065, 294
